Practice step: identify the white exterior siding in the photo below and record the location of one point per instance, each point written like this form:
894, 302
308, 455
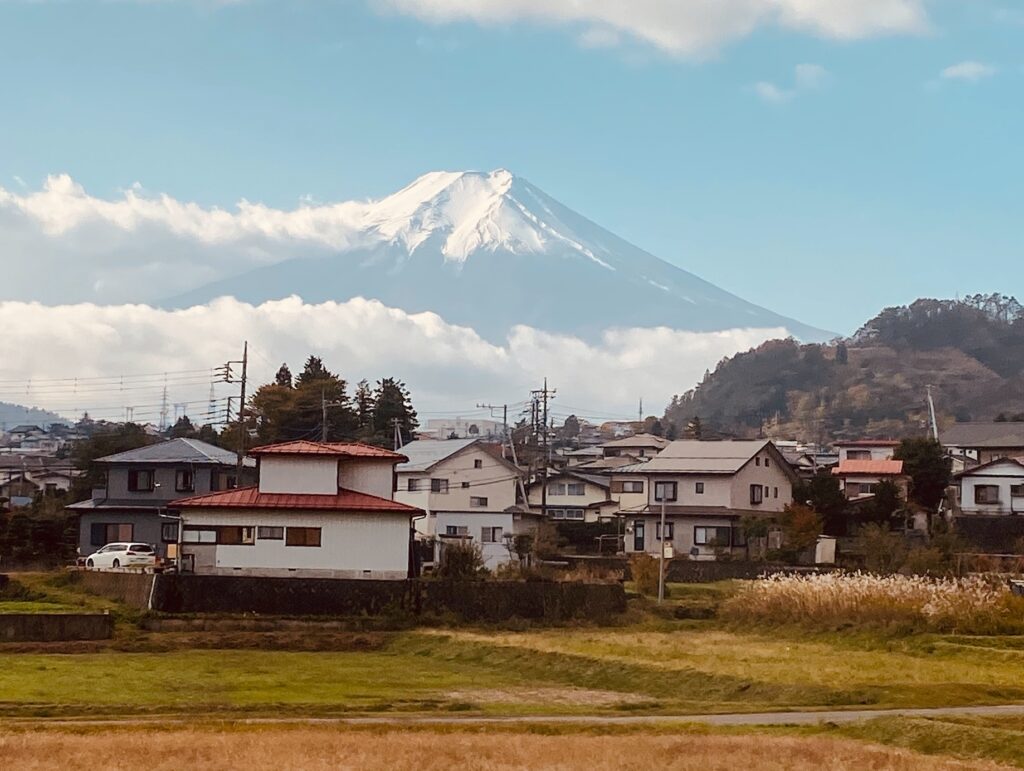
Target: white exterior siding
879, 452
299, 474
370, 477
471, 475
494, 554
1006, 478
683, 531
353, 545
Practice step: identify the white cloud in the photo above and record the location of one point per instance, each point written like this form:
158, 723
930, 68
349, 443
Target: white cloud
969, 71
770, 92
806, 77
688, 27
361, 338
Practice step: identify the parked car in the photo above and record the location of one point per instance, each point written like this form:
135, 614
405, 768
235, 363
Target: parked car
122, 555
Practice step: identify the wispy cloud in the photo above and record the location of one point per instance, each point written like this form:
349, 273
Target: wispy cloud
969, 71
806, 77
687, 27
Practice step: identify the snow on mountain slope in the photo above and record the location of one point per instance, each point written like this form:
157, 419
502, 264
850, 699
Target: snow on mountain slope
489, 251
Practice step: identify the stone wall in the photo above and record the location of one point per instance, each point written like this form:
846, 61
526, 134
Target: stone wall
131, 588
55, 627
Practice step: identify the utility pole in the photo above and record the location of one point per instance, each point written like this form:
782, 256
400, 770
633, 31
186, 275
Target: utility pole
163, 407
540, 401
324, 404
661, 547
227, 376
931, 414
504, 421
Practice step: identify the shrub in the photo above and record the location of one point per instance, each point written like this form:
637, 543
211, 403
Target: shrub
461, 560
972, 605
645, 571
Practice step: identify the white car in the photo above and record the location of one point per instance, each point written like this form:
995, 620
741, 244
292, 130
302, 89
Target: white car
122, 555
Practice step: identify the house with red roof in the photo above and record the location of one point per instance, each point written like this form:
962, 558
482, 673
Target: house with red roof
317, 510
859, 478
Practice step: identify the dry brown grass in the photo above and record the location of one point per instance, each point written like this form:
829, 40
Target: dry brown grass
309, 749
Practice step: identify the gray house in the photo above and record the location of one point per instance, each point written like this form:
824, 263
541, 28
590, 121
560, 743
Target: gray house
141, 483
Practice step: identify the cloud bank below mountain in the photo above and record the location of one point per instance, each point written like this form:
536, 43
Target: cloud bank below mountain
447, 367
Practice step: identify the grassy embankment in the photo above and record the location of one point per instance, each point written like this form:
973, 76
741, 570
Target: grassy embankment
652, 663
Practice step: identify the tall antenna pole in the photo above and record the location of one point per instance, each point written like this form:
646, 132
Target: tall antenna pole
544, 395
931, 414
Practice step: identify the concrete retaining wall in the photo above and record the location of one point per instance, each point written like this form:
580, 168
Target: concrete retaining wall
131, 588
54, 627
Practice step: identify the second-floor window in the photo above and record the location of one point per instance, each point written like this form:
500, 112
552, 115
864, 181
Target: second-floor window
477, 501
665, 491
986, 493
576, 488
438, 485
184, 481
140, 480
632, 487
698, 488
456, 530
415, 485
858, 454
477, 463
1017, 491
756, 494
556, 488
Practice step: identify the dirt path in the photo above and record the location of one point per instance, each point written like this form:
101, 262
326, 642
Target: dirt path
731, 719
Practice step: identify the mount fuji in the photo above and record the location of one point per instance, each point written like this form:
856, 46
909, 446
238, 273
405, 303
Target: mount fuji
490, 251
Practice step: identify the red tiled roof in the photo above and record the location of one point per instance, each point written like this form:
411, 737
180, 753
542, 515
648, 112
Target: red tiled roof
252, 498
872, 467
868, 443
335, 449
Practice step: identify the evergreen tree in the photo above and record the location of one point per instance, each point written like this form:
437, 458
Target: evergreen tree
929, 468
283, 377
364, 405
393, 402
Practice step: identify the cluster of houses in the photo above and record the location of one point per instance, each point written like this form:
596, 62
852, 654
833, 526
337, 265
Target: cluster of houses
353, 510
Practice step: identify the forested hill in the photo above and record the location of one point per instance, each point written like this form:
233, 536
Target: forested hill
12, 415
875, 383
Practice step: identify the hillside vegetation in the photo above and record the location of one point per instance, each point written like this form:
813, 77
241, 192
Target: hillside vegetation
873, 384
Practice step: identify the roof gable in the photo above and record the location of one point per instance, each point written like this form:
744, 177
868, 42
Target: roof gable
175, 451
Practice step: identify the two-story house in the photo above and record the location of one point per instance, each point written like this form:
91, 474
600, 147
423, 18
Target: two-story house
317, 510
705, 490
638, 446
865, 449
859, 478
573, 495
996, 488
134, 502
468, 491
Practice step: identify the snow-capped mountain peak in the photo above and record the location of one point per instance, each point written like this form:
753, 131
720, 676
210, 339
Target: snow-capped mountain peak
469, 211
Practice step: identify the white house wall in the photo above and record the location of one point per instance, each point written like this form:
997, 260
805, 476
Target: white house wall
356, 545
494, 554
682, 535
370, 477
493, 480
1004, 476
299, 474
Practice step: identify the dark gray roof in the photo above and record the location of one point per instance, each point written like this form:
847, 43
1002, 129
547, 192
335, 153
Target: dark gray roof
970, 435
177, 451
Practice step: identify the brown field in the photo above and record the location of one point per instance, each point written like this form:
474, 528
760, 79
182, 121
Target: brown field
281, 749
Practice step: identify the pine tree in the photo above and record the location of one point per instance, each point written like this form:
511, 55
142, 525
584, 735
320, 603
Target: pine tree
283, 377
364, 406
393, 402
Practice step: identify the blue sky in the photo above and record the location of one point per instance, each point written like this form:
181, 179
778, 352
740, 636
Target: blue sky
864, 181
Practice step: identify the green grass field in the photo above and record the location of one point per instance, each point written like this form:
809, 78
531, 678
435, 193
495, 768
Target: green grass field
652, 663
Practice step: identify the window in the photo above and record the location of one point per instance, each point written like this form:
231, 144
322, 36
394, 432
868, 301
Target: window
670, 530
986, 493
50, 488
302, 536
140, 480
184, 481
270, 533
169, 532
222, 481
757, 461
477, 501
576, 488
665, 491
414, 485
465, 485
490, 535
101, 533
775, 492
698, 488
756, 494
858, 454
556, 488
456, 530
198, 535
712, 536
631, 487
571, 514
439, 486
1017, 491
766, 462
478, 463
232, 535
